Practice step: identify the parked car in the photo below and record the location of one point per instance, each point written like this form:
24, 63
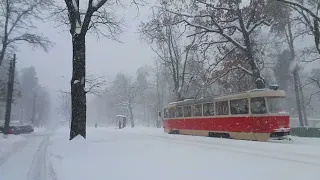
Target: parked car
12, 130
18, 129
25, 129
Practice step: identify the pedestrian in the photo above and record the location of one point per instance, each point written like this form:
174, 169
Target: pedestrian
119, 124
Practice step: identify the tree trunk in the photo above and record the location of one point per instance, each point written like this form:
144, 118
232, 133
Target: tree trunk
303, 107
144, 109
78, 94
158, 103
9, 96
131, 116
296, 89
296, 78
259, 81
162, 108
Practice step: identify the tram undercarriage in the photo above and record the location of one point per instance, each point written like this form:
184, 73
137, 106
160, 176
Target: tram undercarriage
234, 135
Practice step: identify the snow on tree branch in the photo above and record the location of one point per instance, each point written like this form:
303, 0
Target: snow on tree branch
263, 21
311, 19
215, 7
18, 21
301, 7
229, 23
245, 70
95, 85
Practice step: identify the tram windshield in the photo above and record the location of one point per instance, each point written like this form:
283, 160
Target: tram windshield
277, 104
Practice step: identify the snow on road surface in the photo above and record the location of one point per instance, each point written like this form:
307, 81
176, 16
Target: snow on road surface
149, 153
8, 144
142, 153
27, 160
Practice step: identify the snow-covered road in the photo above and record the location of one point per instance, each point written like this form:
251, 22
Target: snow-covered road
26, 159
150, 154
143, 153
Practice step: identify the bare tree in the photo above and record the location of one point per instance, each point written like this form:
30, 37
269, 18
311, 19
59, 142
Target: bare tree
65, 106
161, 32
291, 28
125, 92
309, 12
315, 81
17, 22
94, 85
228, 23
96, 16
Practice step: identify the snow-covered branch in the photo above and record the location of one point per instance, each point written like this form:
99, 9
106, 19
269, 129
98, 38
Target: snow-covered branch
219, 31
301, 7
215, 7
18, 18
259, 23
245, 69
95, 85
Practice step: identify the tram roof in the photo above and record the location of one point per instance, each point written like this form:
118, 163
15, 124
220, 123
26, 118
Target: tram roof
239, 95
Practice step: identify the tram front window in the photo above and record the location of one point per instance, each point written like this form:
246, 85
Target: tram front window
258, 105
276, 104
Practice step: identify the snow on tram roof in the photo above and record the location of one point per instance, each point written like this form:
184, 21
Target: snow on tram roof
251, 93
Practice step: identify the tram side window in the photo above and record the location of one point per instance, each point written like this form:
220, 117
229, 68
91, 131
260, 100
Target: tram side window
172, 112
179, 112
208, 109
239, 106
258, 105
197, 110
166, 113
222, 108
187, 111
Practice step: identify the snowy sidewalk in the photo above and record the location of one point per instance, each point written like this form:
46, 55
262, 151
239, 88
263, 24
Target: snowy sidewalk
24, 157
143, 153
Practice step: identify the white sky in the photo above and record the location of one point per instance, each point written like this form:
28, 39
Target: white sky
104, 57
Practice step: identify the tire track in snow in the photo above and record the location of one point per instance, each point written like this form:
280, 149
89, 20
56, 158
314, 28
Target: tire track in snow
14, 149
52, 173
38, 169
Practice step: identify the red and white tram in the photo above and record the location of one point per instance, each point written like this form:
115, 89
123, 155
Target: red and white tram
253, 115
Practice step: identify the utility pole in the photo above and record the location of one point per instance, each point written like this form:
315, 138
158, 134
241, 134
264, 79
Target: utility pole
9, 94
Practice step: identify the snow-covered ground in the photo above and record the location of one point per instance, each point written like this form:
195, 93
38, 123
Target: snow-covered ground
7, 144
40, 130
25, 160
149, 153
